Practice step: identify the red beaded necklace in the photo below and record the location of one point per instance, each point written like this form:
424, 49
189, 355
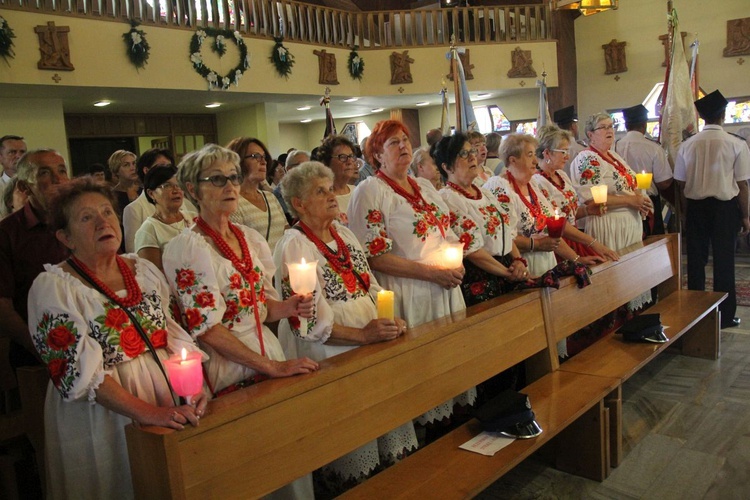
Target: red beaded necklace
477, 193
534, 206
561, 186
621, 169
244, 266
416, 200
341, 260
134, 295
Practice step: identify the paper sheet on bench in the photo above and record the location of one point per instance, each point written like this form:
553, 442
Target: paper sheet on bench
487, 443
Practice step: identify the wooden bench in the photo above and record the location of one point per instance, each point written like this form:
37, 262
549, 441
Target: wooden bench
258, 439
456, 473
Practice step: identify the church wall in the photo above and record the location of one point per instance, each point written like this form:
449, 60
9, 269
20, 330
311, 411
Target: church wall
640, 23
40, 121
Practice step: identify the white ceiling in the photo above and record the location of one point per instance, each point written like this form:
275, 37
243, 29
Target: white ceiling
81, 100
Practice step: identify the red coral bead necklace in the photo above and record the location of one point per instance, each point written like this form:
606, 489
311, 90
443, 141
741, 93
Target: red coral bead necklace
134, 294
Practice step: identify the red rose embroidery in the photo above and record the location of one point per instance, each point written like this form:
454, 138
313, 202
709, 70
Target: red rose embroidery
492, 224
421, 228
235, 281
115, 319
594, 162
205, 299
453, 217
193, 318
159, 338
57, 368
587, 174
262, 295
376, 246
467, 224
245, 297
466, 240
294, 322
60, 338
477, 288
506, 219
185, 278
503, 198
350, 282
374, 216
131, 343
231, 311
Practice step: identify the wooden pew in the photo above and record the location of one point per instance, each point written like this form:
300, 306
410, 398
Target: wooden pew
456, 473
253, 441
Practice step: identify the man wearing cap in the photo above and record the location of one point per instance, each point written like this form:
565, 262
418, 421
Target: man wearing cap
713, 168
567, 119
645, 155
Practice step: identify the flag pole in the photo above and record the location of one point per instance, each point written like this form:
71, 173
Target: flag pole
456, 84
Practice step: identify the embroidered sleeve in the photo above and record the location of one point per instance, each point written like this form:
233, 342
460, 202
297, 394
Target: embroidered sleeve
462, 224
368, 218
585, 172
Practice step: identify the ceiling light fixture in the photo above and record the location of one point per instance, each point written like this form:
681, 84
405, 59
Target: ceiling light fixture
213, 105
483, 96
306, 120
378, 110
423, 103
303, 108
352, 99
101, 104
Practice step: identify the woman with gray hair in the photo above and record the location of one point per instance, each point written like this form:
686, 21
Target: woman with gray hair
422, 165
552, 153
222, 273
344, 312
620, 225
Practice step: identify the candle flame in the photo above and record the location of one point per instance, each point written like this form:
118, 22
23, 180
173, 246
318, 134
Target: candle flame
643, 172
184, 354
303, 261
557, 214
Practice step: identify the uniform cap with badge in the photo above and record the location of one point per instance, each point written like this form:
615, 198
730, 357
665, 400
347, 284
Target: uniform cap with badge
635, 114
565, 115
711, 105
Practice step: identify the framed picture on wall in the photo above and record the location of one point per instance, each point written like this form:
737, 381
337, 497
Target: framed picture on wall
350, 132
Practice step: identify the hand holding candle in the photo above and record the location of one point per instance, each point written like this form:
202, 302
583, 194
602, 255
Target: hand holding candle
302, 278
555, 225
644, 183
453, 256
185, 373
599, 193
385, 304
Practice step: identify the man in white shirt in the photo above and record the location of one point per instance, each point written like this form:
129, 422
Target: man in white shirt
567, 119
713, 168
643, 154
12, 148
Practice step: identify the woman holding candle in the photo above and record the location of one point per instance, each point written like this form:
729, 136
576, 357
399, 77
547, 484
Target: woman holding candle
256, 207
531, 207
99, 321
492, 261
404, 227
552, 153
163, 191
222, 276
337, 153
344, 315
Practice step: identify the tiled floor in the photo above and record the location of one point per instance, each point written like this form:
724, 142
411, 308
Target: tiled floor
686, 432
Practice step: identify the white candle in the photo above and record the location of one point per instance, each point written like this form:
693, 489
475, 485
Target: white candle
453, 255
302, 278
599, 193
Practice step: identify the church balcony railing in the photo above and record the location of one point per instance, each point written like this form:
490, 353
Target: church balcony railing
314, 24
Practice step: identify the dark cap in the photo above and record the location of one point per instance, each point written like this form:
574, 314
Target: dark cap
566, 115
644, 328
155, 177
509, 413
711, 105
636, 114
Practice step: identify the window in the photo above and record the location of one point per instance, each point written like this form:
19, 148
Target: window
491, 119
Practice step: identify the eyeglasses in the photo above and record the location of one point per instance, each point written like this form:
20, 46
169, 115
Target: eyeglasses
563, 151
464, 153
605, 127
344, 158
256, 157
170, 186
219, 180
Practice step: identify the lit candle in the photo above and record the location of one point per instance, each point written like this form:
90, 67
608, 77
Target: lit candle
453, 255
555, 226
302, 278
599, 193
385, 304
644, 180
185, 373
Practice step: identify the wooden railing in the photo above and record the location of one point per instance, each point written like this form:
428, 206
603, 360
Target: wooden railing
314, 24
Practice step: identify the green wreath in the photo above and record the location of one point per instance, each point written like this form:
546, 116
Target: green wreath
6, 40
356, 64
220, 47
137, 46
281, 58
